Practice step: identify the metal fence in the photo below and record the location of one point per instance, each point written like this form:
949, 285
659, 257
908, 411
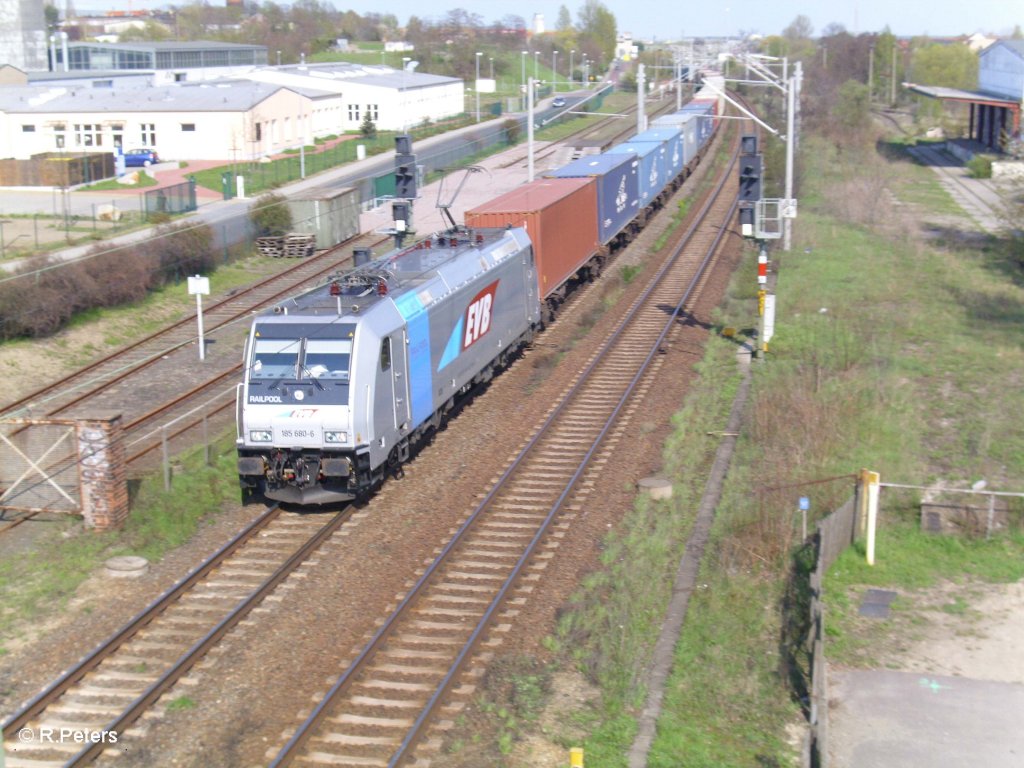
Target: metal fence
177, 198
832, 535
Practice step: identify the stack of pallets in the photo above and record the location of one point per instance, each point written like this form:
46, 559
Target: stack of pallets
299, 246
292, 245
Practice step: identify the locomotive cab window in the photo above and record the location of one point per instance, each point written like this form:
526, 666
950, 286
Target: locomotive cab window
275, 358
385, 354
328, 358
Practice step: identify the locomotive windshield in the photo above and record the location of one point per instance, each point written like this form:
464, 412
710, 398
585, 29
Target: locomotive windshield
327, 358
301, 351
275, 358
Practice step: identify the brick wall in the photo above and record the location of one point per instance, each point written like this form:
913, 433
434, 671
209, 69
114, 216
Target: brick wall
103, 482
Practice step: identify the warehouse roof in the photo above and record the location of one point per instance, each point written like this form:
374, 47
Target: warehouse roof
221, 96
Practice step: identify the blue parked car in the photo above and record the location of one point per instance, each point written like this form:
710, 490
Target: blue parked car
558, 102
140, 158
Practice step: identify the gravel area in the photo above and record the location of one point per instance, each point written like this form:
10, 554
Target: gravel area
248, 695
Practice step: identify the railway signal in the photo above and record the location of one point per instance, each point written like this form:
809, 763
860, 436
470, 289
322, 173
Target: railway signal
405, 168
751, 169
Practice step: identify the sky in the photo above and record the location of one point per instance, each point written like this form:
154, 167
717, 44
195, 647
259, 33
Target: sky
670, 19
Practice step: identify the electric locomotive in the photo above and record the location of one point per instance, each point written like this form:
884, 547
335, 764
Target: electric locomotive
341, 383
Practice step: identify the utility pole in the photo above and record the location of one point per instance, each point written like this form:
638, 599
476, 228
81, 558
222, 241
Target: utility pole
787, 220
529, 131
892, 80
871, 72
641, 88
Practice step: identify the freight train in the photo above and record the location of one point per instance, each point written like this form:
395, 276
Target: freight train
341, 384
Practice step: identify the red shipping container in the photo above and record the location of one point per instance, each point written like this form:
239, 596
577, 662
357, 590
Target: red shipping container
559, 215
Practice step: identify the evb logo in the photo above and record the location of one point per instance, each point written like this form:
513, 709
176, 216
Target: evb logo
478, 315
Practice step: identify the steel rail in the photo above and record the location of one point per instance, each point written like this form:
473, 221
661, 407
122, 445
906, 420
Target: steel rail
320, 712
211, 639
56, 689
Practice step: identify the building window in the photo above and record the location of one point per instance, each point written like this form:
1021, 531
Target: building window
353, 112
259, 132
149, 134
188, 126
372, 109
117, 134
28, 129
58, 135
88, 135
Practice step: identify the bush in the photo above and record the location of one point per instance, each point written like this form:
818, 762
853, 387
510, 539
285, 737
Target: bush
270, 215
44, 296
980, 166
180, 251
510, 128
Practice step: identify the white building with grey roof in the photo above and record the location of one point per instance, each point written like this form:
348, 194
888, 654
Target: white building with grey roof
256, 113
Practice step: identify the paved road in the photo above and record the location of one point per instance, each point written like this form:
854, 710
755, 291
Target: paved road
886, 719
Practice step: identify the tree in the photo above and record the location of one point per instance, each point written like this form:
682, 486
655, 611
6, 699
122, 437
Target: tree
368, 128
852, 112
597, 30
152, 31
951, 66
52, 15
564, 23
799, 28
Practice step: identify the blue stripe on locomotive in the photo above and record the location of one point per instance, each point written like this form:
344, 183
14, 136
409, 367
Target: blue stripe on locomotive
418, 329
454, 345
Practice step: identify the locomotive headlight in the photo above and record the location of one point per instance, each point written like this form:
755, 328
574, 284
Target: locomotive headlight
260, 436
335, 437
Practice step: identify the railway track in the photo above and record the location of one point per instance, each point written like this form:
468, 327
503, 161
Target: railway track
156, 426
57, 398
124, 677
379, 710
136, 379
986, 211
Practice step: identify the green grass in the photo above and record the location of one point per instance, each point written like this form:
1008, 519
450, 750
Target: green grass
908, 560
115, 326
181, 703
890, 352
43, 579
145, 180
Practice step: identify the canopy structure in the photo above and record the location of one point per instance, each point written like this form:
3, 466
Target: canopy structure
994, 119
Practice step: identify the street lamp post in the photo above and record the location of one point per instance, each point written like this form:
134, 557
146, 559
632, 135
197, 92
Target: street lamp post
402, 101
536, 62
554, 68
523, 81
492, 66
571, 76
476, 85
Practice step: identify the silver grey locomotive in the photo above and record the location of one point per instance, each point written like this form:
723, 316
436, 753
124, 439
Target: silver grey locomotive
341, 383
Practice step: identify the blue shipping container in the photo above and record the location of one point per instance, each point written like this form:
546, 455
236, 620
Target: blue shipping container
706, 123
672, 138
618, 189
687, 125
653, 166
